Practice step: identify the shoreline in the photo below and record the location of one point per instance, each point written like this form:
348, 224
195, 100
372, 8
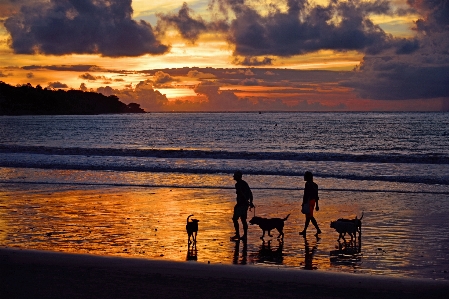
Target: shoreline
46, 274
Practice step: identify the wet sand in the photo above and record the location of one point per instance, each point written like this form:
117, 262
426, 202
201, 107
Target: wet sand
45, 274
149, 223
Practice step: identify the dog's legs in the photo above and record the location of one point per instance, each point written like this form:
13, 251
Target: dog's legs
263, 235
281, 234
269, 233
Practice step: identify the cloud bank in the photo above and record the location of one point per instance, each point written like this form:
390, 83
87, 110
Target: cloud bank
259, 32
421, 74
392, 69
61, 27
292, 90
301, 28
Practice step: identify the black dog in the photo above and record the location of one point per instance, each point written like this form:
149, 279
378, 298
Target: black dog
267, 224
192, 229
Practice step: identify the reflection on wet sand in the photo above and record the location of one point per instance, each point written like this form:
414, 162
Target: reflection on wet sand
347, 252
310, 248
151, 223
240, 259
192, 251
269, 254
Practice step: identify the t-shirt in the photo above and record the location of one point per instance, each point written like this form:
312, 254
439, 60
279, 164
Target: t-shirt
244, 194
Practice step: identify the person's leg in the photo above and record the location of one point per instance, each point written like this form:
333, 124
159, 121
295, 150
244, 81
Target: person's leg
235, 219
245, 227
305, 225
236, 227
244, 223
318, 231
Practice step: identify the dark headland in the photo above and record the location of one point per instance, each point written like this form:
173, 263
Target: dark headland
28, 100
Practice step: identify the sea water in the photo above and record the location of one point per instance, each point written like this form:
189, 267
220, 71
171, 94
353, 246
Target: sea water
124, 185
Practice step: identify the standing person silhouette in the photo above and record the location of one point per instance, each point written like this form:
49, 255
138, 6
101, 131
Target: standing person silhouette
311, 198
244, 200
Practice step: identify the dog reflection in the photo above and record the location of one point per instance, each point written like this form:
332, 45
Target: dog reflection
192, 252
237, 259
269, 254
347, 253
352, 247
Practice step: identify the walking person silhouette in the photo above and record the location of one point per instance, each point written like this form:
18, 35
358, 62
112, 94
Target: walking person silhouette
309, 200
244, 200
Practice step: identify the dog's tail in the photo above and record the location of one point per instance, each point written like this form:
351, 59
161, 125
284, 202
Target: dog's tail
286, 217
362, 216
189, 218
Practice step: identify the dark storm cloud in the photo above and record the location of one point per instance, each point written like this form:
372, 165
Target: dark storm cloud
435, 12
3, 75
56, 85
61, 27
73, 68
253, 61
88, 76
143, 94
250, 82
422, 72
304, 28
384, 78
83, 87
189, 27
161, 79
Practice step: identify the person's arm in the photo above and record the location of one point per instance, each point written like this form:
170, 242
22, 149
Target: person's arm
305, 195
251, 205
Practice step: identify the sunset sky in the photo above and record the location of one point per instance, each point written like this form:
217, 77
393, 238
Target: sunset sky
234, 55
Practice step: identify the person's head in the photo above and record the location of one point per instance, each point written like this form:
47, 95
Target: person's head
308, 176
238, 175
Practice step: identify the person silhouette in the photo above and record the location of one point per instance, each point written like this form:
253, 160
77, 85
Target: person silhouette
244, 200
310, 198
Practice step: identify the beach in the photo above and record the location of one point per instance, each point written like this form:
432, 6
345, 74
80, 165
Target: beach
149, 223
44, 274
122, 186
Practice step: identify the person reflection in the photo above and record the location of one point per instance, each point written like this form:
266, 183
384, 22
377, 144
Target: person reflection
192, 252
237, 259
309, 252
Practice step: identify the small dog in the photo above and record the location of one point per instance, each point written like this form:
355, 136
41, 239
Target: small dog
347, 226
192, 229
267, 224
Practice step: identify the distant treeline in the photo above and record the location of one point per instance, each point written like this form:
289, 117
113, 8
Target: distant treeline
28, 100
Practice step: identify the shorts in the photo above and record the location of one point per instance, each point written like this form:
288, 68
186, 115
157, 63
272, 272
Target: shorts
311, 207
240, 212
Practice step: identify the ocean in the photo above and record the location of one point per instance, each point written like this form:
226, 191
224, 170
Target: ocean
124, 185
